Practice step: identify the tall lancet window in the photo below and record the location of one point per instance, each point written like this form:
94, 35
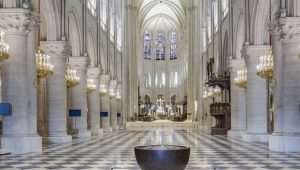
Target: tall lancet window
173, 46
103, 11
215, 14
147, 46
112, 27
160, 43
92, 5
224, 8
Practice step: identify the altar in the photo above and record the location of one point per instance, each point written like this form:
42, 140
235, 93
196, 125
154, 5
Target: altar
161, 123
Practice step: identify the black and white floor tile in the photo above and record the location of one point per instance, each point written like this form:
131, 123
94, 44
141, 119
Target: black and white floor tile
114, 151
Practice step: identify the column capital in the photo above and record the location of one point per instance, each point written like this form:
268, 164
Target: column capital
251, 53
18, 21
236, 64
286, 29
105, 78
79, 63
55, 49
93, 73
114, 84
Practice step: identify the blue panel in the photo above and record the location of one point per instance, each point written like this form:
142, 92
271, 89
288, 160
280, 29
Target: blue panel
75, 112
5, 109
103, 114
118, 114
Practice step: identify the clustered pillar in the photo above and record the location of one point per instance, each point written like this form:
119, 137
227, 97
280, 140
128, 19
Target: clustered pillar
94, 102
79, 95
286, 135
105, 105
238, 101
256, 96
56, 92
18, 136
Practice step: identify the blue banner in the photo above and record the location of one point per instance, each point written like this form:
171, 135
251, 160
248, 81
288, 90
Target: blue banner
103, 114
75, 112
5, 109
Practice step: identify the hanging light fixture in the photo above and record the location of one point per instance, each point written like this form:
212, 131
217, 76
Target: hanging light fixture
241, 79
91, 87
112, 88
104, 84
217, 91
205, 95
72, 78
3, 48
43, 67
119, 92
210, 92
265, 67
103, 89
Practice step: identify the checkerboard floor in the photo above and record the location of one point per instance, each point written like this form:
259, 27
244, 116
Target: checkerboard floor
115, 151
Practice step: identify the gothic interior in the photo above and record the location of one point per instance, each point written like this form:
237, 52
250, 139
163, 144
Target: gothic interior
107, 75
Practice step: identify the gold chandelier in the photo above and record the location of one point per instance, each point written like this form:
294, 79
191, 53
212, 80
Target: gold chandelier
43, 67
104, 84
265, 67
72, 78
241, 79
205, 95
210, 93
103, 89
112, 88
3, 48
91, 87
119, 92
217, 91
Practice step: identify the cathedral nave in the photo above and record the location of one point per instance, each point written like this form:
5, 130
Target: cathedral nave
95, 84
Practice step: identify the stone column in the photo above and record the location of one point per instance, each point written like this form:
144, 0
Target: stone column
113, 107
31, 63
79, 95
286, 135
56, 92
18, 137
238, 101
105, 105
119, 110
256, 96
94, 102
113, 115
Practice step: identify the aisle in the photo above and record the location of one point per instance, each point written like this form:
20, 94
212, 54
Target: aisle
115, 151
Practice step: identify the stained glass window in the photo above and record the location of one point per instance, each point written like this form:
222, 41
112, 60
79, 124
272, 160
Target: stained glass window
147, 46
173, 46
92, 6
163, 79
160, 43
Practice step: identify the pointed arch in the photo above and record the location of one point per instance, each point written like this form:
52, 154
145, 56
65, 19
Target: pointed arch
259, 34
91, 48
225, 57
239, 36
50, 26
74, 33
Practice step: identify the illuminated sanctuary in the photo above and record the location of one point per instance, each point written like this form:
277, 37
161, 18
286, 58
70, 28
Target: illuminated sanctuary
92, 79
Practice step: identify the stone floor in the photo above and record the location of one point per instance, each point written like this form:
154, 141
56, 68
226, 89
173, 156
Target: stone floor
115, 151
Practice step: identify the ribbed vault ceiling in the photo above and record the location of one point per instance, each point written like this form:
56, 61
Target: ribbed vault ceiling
161, 15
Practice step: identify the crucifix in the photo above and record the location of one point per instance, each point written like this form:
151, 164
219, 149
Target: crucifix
160, 101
